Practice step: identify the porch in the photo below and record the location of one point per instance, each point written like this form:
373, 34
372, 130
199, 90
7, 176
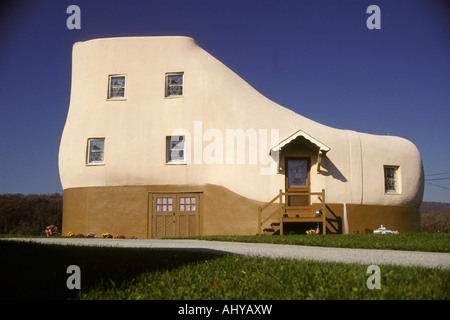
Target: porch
273, 215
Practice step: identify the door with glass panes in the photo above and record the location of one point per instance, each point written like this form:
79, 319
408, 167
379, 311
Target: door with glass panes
298, 182
175, 215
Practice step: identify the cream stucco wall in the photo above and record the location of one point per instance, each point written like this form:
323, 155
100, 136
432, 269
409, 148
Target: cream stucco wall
215, 99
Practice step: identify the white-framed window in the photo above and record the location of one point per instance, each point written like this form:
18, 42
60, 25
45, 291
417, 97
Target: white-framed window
175, 149
188, 204
392, 179
95, 151
174, 84
116, 87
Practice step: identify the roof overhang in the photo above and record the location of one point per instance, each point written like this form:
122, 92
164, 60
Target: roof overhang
322, 147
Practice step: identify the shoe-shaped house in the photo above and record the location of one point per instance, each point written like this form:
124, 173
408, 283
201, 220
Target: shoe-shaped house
163, 140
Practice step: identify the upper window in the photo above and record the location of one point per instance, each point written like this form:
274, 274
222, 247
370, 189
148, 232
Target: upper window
116, 87
175, 149
96, 151
174, 84
391, 179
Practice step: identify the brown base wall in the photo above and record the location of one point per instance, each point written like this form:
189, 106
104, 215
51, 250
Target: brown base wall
128, 210
367, 218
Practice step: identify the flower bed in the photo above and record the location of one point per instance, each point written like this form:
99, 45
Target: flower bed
105, 235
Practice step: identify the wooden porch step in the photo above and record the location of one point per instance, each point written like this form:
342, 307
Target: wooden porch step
274, 228
291, 213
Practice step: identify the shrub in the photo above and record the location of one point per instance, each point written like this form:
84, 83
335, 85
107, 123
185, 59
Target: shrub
119, 236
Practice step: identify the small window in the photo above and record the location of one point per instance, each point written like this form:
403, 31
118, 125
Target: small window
116, 87
175, 149
391, 179
187, 204
174, 85
96, 151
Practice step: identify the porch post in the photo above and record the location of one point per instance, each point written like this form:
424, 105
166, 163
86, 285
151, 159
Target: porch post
259, 220
324, 215
281, 212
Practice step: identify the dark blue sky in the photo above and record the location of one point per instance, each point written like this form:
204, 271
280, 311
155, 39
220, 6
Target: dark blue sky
316, 57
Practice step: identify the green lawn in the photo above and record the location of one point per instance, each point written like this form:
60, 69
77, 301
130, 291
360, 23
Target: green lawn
39, 271
431, 242
246, 278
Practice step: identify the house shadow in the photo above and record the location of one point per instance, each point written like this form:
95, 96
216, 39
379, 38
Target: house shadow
329, 169
39, 271
333, 221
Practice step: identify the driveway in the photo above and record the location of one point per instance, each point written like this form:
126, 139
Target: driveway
345, 255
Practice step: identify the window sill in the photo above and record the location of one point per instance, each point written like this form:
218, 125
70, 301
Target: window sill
94, 164
173, 97
116, 99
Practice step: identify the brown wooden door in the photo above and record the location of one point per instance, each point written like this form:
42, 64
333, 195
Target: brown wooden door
297, 180
164, 215
175, 215
188, 214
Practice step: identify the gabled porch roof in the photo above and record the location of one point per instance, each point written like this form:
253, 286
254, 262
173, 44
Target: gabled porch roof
322, 147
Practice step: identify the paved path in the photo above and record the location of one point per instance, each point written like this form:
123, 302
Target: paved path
361, 256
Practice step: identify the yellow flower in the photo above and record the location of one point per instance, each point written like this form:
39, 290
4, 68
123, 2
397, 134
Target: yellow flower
107, 235
70, 234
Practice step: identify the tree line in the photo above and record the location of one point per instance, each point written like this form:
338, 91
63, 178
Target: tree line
435, 217
31, 214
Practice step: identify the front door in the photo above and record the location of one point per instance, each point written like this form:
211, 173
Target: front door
175, 215
298, 181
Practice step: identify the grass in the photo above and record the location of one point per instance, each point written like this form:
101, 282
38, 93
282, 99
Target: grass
244, 278
431, 242
38, 271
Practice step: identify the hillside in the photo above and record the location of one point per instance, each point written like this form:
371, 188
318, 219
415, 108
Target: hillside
435, 217
428, 207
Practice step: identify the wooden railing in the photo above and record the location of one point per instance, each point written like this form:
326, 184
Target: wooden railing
280, 211
279, 214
